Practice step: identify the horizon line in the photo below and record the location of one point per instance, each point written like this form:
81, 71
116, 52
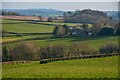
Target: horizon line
57, 9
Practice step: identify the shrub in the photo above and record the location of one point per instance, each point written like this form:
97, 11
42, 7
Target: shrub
78, 49
117, 28
58, 51
109, 48
5, 53
61, 31
117, 32
52, 51
106, 31
25, 51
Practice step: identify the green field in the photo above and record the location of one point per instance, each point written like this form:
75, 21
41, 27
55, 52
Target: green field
93, 42
84, 68
10, 21
14, 38
69, 24
30, 27
26, 27
39, 28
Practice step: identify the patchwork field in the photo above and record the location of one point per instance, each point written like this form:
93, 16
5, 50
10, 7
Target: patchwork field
31, 28
84, 68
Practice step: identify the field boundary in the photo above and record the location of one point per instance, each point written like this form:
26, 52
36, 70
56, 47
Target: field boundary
25, 34
43, 61
20, 40
14, 23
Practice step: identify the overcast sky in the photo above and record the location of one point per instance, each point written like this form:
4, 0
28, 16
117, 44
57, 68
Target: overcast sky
105, 6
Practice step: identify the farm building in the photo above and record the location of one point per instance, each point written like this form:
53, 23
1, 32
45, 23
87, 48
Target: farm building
79, 31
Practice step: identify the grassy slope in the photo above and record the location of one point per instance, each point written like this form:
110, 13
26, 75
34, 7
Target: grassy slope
8, 39
10, 21
27, 28
30, 28
69, 24
103, 67
93, 42
83, 68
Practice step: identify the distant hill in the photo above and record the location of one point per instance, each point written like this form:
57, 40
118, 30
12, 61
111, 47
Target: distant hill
37, 12
53, 12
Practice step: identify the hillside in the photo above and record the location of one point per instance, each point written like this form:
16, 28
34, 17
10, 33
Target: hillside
37, 12
92, 42
84, 68
20, 26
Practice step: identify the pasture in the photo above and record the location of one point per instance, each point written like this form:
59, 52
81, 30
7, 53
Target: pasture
106, 67
27, 28
20, 26
30, 27
11, 21
14, 37
92, 42
69, 24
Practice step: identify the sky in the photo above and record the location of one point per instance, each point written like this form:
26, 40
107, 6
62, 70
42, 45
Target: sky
59, 0
64, 6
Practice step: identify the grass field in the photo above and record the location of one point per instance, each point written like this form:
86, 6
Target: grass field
69, 24
9, 39
27, 28
31, 28
84, 68
93, 42
38, 28
10, 21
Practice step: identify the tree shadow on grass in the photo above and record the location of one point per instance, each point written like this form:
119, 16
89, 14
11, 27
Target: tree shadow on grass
50, 40
77, 39
91, 38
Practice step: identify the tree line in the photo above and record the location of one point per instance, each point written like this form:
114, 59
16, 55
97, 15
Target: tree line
83, 30
87, 16
28, 51
8, 13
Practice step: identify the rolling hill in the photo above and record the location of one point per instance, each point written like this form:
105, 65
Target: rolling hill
37, 12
